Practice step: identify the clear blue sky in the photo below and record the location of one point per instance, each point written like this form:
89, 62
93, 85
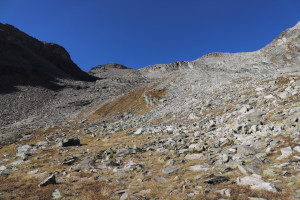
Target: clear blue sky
138, 33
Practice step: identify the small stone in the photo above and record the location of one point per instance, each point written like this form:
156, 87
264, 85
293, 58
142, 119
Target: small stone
269, 96
121, 191
56, 194
138, 131
101, 166
41, 143
2, 168
161, 179
259, 89
194, 156
50, 180
197, 134
285, 152
199, 168
269, 150
297, 148
233, 150
171, 169
70, 161
197, 147
283, 95
170, 129
124, 196
225, 158
23, 151
226, 192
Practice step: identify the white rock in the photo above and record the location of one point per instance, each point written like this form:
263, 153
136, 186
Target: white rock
232, 150
256, 183
22, 150
259, 89
197, 134
170, 129
193, 116
297, 148
285, 152
269, 96
2, 168
244, 109
199, 168
195, 147
194, 156
124, 196
283, 95
265, 186
138, 131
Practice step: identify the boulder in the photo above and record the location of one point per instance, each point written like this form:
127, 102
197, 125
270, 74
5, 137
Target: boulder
256, 182
285, 152
50, 180
69, 142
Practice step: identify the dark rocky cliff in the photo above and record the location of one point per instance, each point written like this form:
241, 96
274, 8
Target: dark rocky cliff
25, 60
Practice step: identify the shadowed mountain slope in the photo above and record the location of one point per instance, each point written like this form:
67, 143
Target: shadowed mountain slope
25, 60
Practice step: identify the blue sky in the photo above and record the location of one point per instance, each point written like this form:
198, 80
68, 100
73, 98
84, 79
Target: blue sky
138, 33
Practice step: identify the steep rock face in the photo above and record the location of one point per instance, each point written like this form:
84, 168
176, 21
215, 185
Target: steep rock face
25, 60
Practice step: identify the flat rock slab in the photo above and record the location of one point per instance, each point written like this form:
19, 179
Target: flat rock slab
85, 164
171, 169
138, 131
250, 169
161, 179
199, 168
256, 182
194, 156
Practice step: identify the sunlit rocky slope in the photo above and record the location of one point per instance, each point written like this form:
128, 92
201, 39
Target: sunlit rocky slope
224, 126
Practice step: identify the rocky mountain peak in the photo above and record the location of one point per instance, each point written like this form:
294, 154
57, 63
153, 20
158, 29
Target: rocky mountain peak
109, 66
